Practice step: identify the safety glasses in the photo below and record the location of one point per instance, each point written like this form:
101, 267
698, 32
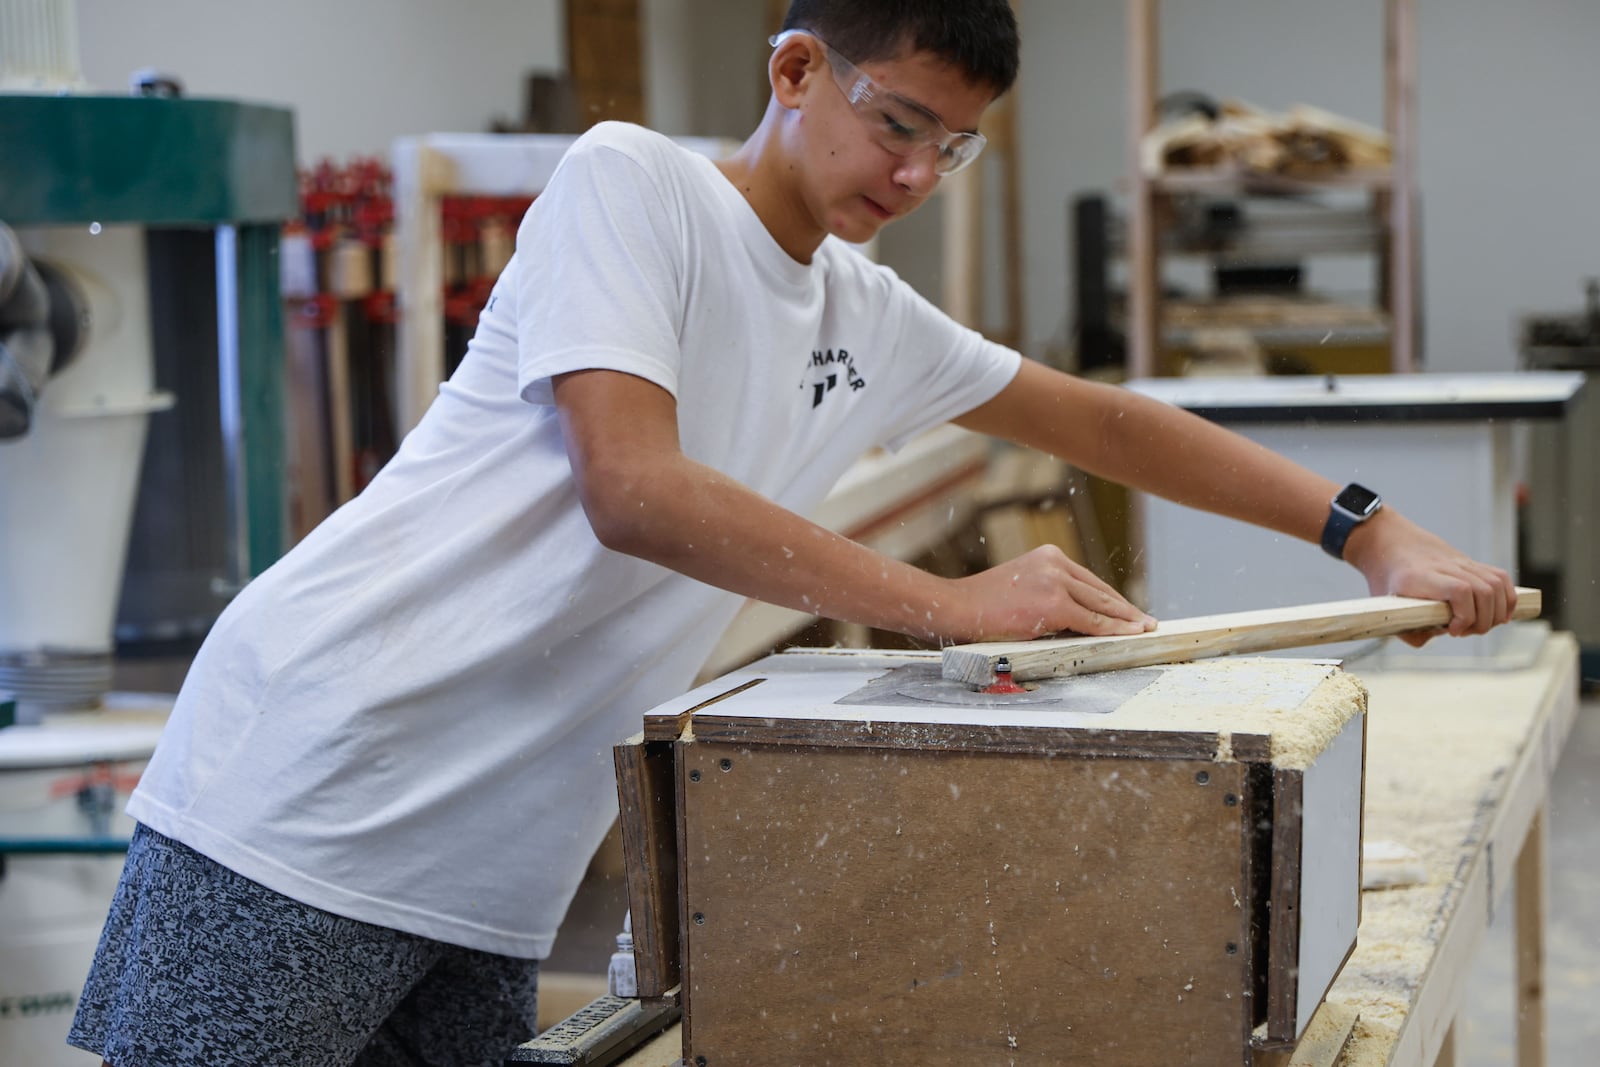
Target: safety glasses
896, 124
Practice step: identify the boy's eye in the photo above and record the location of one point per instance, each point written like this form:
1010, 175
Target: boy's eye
899, 130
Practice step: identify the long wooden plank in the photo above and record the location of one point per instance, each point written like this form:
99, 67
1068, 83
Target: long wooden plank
1205, 636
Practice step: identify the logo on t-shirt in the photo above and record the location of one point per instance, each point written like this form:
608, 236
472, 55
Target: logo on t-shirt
827, 370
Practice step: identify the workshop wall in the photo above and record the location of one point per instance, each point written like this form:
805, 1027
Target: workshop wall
1506, 169
705, 66
358, 73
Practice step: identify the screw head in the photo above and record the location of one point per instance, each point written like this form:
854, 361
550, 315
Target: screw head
1202, 777
725, 764
1230, 800
694, 776
1233, 949
699, 918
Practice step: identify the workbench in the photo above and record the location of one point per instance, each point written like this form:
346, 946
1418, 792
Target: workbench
1458, 769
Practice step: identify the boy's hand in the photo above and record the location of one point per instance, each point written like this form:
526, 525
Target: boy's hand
1400, 558
1039, 593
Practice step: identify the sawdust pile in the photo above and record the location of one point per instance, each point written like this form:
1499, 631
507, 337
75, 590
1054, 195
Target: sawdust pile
1300, 704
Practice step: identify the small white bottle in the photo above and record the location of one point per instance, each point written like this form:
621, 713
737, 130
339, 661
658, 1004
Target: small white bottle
622, 979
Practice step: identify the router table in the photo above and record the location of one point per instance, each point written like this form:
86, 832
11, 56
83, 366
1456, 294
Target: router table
1457, 767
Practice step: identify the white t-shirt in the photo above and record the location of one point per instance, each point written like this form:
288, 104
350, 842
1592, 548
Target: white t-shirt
409, 718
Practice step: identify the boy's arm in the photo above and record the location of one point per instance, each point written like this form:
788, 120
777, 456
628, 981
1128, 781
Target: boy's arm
645, 498
1128, 438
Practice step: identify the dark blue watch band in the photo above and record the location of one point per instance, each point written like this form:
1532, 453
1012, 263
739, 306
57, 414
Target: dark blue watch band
1354, 505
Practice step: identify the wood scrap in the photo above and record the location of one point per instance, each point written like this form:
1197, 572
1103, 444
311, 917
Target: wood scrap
1322, 1045
1390, 865
1306, 142
1202, 637
1269, 311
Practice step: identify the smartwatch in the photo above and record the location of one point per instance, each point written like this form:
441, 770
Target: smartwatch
1354, 505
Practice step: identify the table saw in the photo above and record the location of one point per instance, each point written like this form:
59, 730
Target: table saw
830, 851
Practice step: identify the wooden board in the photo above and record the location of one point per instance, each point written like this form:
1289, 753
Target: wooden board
961, 908
1287, 840
1204, 636
647, 806
1323, 1044
1040, 741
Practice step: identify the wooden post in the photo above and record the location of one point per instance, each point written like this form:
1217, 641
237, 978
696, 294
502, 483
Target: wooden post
961, 210
1000, 125
1144, 294
1400, 39
605, 59
1530, 944
419, 361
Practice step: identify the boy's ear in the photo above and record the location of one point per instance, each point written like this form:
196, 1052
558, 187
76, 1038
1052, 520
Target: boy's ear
791, 68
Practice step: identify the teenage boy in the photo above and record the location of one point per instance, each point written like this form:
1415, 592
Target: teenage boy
390, 762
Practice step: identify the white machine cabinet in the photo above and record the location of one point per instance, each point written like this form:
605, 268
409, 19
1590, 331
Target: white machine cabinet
1438, 447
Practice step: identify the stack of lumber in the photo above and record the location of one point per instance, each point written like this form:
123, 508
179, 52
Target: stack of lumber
1269, 311
1306, 142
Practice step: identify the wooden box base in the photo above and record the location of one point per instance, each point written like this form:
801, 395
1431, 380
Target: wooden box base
856, 887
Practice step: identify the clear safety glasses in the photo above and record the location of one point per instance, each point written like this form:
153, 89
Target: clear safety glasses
901, 126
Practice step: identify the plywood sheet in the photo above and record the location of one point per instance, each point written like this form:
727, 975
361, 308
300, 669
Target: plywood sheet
962, 907
647, 807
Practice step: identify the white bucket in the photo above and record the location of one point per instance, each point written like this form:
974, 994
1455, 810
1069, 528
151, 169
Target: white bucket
52, 907
44, 962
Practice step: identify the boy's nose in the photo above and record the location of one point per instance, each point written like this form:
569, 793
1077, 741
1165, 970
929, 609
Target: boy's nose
915, 173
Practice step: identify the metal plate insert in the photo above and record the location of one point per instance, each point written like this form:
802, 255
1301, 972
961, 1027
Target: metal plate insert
920, 684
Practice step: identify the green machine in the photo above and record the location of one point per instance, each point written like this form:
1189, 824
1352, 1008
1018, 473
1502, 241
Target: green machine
141, 376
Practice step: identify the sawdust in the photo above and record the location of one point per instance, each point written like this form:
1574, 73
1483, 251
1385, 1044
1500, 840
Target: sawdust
1224, 752
1370, 1044
1319, 721
1301, 705
1440, 746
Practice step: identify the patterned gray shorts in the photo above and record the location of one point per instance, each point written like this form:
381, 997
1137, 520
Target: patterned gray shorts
200, 966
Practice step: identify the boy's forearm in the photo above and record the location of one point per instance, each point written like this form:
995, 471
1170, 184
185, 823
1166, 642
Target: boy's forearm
1161, 449
699, 522
644, 497
1205, 466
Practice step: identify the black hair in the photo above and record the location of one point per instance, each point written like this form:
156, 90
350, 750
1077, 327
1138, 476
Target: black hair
977, 36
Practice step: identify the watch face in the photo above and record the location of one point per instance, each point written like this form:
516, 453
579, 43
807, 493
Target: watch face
1357, 499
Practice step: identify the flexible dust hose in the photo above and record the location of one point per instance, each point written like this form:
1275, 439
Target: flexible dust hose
41, 329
